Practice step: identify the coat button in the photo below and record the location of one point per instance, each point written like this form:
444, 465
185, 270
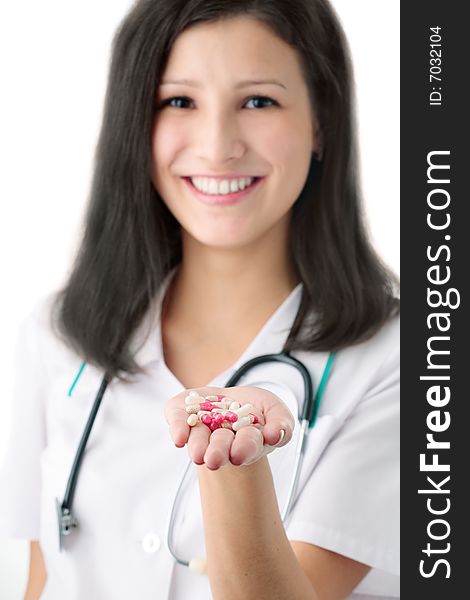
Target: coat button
151, 543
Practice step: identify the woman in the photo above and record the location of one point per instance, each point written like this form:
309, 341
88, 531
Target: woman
224, 223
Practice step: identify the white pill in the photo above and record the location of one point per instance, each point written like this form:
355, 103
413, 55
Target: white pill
193, 409
234, 406
193, 394
203, 412
244, 410
221, 404
210, 398
242, 422
227, 425
193, 399
219, 410
198, 565
192, 420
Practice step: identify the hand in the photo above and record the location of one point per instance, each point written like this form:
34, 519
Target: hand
248, 444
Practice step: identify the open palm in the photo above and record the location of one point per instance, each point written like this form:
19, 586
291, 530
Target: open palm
248, 444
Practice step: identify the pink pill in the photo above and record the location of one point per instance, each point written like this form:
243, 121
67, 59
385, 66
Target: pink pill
255, 418
231, 417
206, 406
220, 397
214, 425
207, 420
217, 418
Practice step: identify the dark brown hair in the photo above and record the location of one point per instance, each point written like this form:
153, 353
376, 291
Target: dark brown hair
131, 240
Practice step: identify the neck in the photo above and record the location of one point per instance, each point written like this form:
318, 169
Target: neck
231, 288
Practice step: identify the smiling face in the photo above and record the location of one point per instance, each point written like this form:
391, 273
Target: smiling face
217, 128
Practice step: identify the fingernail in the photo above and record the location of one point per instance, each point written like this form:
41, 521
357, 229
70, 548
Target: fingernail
281, 437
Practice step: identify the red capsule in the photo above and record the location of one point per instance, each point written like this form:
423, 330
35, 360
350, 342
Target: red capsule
231, 417
207, 420
215, 425
218, 418
206, 406
255, 418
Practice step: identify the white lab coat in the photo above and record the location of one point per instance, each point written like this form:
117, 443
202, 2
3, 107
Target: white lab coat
348, 498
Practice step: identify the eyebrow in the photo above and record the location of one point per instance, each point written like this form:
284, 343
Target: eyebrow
239, 85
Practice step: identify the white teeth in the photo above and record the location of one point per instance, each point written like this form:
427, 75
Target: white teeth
221, 186
234, 185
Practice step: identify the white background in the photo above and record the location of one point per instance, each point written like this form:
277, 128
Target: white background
54, 59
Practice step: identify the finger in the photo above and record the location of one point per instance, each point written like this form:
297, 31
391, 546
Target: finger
218, 451
246, 446
176, 418
277, 433
198, 442
278, 418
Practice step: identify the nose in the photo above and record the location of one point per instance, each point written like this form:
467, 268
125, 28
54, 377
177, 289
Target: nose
218, 137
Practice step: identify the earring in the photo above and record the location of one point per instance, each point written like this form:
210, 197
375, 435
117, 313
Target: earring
318, 155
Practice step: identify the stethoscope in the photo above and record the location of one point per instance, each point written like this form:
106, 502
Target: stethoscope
307, 415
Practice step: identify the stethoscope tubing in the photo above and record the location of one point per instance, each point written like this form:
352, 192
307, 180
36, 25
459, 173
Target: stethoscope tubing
299, 458
310, 406
64, 509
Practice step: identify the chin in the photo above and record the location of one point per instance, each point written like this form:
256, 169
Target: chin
220, 239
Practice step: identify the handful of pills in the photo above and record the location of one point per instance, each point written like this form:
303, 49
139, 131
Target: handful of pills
218, 411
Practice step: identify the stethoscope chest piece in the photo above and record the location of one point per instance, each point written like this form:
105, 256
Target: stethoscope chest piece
66, 522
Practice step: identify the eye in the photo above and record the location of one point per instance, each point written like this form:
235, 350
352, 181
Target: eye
177, 99
179, 102
263, 99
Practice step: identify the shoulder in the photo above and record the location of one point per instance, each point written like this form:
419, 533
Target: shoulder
382, 353
376, 355
379, 354
38, 337
358, 371
372, 368
36, 322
